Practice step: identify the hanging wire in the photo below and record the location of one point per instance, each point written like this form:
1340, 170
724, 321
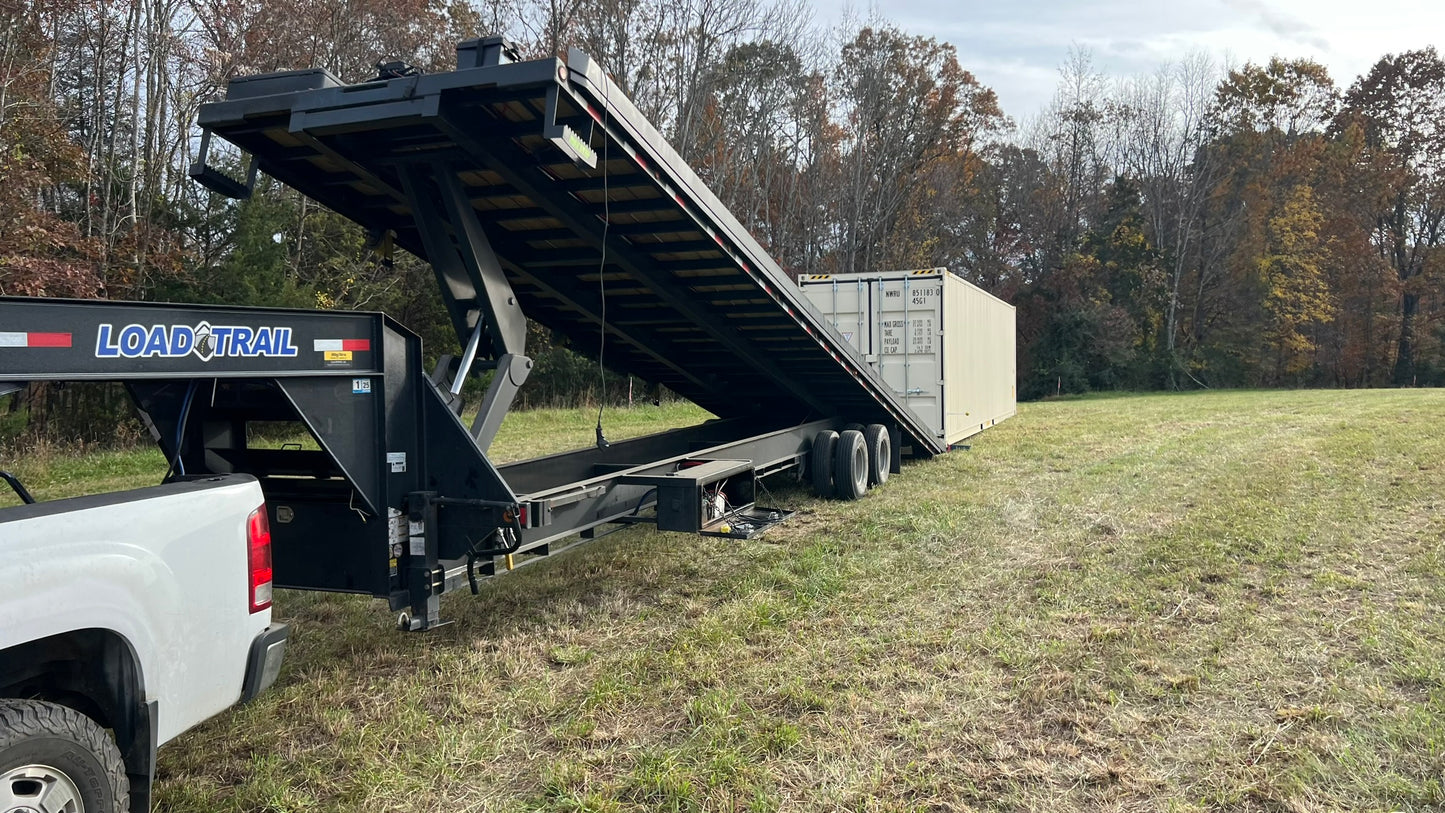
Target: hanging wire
602, 265
177, 465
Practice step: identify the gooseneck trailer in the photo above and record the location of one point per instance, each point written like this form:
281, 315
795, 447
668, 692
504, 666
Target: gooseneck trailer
533, 189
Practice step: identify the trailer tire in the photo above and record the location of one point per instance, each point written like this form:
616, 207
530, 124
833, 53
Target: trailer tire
853, 427
880, 453
820, 462
850, 466
50, 753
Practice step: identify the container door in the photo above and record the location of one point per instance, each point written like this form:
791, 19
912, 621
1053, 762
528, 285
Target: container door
907, 329
845, 303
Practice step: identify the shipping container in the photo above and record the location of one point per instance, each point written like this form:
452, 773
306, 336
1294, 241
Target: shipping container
944, 344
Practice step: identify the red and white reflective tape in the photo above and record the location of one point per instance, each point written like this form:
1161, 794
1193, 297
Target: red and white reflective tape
324, 345
34, 339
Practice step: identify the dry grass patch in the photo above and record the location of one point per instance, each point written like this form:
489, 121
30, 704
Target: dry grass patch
1215, 601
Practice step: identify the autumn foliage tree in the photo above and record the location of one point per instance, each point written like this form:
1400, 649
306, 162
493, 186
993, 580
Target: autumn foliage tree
910, 113
41, 252
1297, 299
1400, 107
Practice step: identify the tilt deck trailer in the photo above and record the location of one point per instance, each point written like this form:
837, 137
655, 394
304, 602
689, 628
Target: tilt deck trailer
531, 188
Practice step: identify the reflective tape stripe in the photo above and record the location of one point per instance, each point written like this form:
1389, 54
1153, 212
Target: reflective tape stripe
34, 340
324, 345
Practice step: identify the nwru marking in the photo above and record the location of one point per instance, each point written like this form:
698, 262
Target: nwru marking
204, 340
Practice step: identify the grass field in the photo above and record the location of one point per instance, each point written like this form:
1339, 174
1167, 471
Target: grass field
1213, 601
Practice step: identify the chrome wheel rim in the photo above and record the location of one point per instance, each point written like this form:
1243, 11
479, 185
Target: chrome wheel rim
39, 789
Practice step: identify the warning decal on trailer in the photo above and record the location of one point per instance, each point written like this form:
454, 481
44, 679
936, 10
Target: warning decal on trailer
338, 352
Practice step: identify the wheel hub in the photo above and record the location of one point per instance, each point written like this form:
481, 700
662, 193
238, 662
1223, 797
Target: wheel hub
39, 789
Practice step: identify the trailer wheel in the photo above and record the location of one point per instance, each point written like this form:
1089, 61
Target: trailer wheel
54, 759
880, 453
850, 466
820, 461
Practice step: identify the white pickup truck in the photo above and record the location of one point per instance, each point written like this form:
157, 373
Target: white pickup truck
125, 619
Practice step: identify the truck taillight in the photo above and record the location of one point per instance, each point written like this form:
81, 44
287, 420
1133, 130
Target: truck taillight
258, 557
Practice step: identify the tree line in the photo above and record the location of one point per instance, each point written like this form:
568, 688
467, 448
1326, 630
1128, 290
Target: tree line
1200, 226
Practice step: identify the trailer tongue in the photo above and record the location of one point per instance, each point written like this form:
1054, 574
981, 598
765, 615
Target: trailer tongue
533, 189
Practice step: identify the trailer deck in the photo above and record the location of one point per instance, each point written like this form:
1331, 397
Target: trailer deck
537, 166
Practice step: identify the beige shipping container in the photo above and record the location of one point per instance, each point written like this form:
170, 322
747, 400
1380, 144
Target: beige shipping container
944, 344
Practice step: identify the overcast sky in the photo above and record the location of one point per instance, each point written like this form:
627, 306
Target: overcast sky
1016, 47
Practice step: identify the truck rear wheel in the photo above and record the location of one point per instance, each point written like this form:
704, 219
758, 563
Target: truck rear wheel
880, 453
850, 466
54, 759
820, 462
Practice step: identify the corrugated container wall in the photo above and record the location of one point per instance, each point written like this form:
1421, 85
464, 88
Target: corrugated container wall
944, 343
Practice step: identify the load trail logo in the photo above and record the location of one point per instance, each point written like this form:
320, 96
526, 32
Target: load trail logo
205, 341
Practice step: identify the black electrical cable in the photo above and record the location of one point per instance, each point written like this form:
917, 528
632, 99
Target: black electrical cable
638, 509
181, 431
764, 486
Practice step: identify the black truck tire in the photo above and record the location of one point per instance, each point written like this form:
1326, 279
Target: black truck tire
880, 453
50, 754
820, 462
850, 466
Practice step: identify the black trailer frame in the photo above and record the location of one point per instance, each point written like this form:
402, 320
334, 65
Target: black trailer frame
398, 500
530, 187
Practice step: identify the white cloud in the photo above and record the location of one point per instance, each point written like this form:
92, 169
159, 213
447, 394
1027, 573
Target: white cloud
1016, 48
1280, 22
